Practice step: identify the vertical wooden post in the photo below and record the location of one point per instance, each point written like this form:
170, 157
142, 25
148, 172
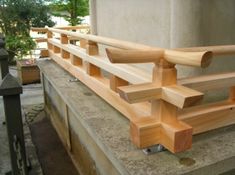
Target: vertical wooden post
92, 70
49, 35
56, 49
92, 49
163, 126
83, 43
232, 93
75, 60
64, 40
115, 82
164, 74
175, 135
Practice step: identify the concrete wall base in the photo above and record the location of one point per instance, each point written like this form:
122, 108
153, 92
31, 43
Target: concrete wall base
97, 136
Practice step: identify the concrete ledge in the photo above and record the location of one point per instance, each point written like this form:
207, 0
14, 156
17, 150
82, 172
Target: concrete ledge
97, 136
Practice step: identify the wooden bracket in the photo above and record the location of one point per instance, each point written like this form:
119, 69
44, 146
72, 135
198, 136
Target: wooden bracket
163, 126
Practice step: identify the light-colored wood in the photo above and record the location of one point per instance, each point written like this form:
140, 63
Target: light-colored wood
103, 40
216, 50
181, 96
40, 40
65, 54
177, 57
49, 35
199, 59
145, 132
232, 93
44, 53
175, 135
140, 92
164, 75
102, 89
116, 82
38, 29
92, 48
74, 27
161, 123
56, 49
149, 131
210, 116
134, 56
27, 73
209, 82
75, 60
83, 43
64, 39
92, 70
127, 72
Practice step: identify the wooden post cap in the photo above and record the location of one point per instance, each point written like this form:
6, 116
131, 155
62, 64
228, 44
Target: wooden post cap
3, 54
10, 86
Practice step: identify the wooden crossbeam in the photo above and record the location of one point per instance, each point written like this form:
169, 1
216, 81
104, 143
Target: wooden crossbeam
40, 40
209, 82
179, 96
140, 92
210, 116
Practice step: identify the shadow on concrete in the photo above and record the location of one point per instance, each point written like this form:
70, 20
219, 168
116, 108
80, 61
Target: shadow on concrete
50, 150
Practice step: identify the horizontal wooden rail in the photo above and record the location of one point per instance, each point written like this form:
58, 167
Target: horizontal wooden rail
209, 82
128, 72
202, 59
38, 29
161, 109
178, 95
216, 50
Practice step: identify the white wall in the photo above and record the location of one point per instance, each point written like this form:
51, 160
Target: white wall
170, 24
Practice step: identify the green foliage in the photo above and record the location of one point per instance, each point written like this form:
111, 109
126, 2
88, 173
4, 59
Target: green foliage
19, 45
16, 19
70, 10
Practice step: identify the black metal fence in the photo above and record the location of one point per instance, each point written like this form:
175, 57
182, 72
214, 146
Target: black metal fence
10, 89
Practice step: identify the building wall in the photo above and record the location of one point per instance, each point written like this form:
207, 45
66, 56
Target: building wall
170, 24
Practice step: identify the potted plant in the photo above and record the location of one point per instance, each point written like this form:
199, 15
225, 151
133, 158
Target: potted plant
16, 19
20, 46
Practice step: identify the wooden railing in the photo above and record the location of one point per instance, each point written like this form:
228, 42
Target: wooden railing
161, 109
44, 52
